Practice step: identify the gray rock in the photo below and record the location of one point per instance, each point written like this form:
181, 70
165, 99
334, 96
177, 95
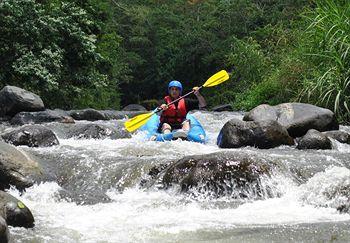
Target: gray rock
32, 136
262, 134
134, 107
17, 168
14, 100
314, 139
117, 115
97, 131
23, 118
4, 231
340, 136
88, 114
15, 212
227, 107
219, 174
298, 118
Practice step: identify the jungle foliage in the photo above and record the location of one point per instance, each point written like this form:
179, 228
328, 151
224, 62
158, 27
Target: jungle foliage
107, 53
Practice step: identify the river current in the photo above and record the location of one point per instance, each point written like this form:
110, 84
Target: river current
94, 194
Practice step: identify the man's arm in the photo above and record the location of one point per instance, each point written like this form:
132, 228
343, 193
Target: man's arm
201, 101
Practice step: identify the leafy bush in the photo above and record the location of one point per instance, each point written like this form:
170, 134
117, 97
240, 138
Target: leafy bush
50, 47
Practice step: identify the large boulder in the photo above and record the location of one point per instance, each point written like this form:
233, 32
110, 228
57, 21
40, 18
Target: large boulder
17, 168
14, 100
97, 131
314, 139
4, 231
88, 114
219, 174
15, 212
134, 107
23, 118
340, 136
298, 118
32, 136
262, 134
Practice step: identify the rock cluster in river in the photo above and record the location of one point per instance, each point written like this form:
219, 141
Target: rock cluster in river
269, 126
297, 118
21, 170
26, 113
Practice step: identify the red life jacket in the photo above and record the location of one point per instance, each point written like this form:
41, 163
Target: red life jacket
174, 114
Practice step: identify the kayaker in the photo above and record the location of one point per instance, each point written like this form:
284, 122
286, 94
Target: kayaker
174, 116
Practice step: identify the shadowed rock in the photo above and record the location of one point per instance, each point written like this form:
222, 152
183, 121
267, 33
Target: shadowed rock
23, 118
218, 174
134, 107
97, 131
32, 136
314, 139
15, 212
88, 115
227, 107
4, 231
340, 136
263, 134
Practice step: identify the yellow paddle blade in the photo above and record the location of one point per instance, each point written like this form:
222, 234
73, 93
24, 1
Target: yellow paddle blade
216, 79
137, 121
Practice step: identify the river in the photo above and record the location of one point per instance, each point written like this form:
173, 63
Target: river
94, 194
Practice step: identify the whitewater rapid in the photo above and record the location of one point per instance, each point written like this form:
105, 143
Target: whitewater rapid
299, 211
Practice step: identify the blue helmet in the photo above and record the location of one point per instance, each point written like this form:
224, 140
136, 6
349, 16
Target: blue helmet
175, 83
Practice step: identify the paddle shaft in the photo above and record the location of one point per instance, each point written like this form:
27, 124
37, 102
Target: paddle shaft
176, 100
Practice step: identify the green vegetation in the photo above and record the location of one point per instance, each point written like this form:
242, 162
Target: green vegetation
107, 53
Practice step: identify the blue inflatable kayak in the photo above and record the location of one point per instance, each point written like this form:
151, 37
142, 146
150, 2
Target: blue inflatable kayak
196, 133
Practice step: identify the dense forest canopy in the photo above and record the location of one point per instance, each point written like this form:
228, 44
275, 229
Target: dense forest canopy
108, 53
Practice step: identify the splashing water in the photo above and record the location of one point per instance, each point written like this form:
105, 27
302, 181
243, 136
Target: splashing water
304, 198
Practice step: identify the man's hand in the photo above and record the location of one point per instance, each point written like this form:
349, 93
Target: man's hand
164, 107
196, 91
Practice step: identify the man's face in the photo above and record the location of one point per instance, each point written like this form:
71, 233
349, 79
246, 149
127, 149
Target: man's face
174, 92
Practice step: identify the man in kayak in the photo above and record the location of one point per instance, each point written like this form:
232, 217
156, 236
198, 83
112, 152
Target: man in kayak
174, 116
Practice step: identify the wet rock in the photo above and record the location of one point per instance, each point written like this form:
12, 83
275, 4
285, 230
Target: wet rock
4, 119
340, 136
97, 131
298, 118
23, 118
85, 197
4, 231
152, 175
227, 107
262, 134
134, 107
151, 104
224, 173
314, 139
87, 114
14, 100
117, 115
15, 212
32, 136
17, 168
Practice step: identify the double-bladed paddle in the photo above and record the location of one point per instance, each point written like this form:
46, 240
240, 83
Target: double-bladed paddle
138, 121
